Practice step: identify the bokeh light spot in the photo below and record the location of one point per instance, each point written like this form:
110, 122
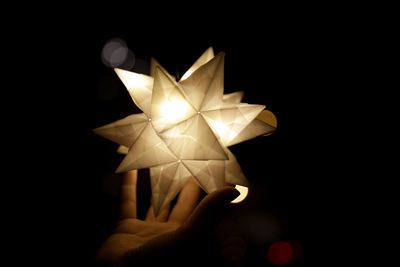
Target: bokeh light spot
118, 56
109, 50
280, 253
116, 53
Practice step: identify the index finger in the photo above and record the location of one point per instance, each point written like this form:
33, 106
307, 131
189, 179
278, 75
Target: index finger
128, 208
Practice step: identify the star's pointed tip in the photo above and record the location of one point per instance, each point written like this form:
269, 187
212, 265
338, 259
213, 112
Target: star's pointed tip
219, 58
96, 131
99, 130
221, 54
120, 72
256, 106
121, 168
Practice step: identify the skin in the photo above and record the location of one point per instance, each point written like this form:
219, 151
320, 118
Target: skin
169, 235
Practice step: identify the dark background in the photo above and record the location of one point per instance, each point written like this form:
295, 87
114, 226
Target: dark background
293, 59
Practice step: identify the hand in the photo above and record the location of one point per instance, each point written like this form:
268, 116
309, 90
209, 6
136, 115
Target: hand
172, 235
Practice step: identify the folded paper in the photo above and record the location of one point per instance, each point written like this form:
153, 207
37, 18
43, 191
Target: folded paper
186, 128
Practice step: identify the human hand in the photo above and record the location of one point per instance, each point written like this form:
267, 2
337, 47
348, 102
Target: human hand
173, 237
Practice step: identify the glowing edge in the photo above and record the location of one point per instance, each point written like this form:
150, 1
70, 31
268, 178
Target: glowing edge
243, 193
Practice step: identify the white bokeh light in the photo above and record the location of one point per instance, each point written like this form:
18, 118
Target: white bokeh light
115, 53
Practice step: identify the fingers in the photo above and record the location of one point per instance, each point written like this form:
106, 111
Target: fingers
128, 207
187, 202
150, 214
211, 204
162, 215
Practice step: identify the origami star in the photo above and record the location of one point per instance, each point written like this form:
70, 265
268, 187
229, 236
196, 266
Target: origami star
185, 129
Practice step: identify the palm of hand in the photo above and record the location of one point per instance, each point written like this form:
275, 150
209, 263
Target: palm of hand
161, 231
131, 234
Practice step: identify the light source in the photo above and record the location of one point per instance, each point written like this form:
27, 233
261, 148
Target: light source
243, 190
186, 128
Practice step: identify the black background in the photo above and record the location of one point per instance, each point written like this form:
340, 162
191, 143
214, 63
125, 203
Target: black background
293, 59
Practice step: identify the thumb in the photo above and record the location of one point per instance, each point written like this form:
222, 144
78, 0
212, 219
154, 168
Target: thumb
211, 206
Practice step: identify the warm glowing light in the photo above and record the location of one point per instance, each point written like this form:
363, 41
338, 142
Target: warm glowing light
186, 126
174, 109
243, 193
205, 57
187, 74
134, 81
223, 130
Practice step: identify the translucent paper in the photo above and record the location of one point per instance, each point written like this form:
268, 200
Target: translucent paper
186, 128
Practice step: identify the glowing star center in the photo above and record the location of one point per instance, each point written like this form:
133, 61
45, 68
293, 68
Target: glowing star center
174, 109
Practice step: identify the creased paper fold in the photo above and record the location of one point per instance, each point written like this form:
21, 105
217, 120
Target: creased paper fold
186, 128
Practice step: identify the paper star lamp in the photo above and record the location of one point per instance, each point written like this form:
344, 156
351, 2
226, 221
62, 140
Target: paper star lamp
186, 128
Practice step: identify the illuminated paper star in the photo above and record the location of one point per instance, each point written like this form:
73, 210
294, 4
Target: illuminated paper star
185, 129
